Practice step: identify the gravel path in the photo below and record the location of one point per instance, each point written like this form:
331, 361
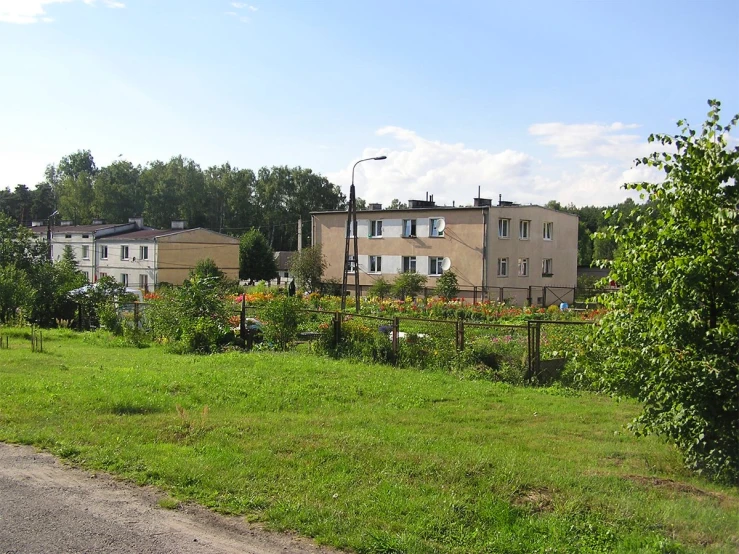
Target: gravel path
48, 507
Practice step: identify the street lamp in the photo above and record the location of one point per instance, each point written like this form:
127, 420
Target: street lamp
351, 223
48, 233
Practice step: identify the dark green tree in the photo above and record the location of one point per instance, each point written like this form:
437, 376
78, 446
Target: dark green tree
447, 286
308, 266
256, 258
671, 335
408, 284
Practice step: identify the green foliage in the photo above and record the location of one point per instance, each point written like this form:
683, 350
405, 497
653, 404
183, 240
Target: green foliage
671, 335
191, 318
408, 284
206, 268
308, 266
16, 294
256, 257
447, 286
282, 317
381, 288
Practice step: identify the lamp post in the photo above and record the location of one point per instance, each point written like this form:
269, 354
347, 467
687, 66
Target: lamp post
48, 234
351, 231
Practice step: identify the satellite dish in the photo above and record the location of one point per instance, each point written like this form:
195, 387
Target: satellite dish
446, 264
441, 225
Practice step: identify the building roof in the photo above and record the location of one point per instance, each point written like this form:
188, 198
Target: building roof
446, 208
77, 228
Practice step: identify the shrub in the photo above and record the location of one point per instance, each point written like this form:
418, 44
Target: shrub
447, 286
380, 288
409, 284
282, 317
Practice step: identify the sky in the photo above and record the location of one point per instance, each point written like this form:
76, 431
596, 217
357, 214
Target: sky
531, 100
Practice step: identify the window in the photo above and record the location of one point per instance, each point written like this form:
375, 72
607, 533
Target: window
375, 228
103, 252
67, 236
523, 229
87, 275
548, 230
351, 266
350, 229
502, 267
546, 267
375, 263
85, 252
435, 266
409, 264
143, 252
409, 227
523, 267
504, 228
434, 224
124, 279
103, 274
85, 236
144, 282
124, 252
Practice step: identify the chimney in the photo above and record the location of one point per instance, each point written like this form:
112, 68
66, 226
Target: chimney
138, 221
66, 223
375, 206
98, 222
36, 223
179, 224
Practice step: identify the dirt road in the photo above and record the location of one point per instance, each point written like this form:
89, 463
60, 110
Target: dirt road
48, 507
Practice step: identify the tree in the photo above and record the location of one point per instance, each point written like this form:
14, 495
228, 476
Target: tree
308, 266
380, 288
397, 205
671, 335
408, 284
256, 258
206, 268
447, 286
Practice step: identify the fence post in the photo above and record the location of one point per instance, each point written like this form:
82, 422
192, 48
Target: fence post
530, 297
242, 317
474, 295
501, 295
337, 328
544, 297
396, 330
461, 334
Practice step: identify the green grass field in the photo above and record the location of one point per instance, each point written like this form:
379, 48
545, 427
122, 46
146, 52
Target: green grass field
363, 457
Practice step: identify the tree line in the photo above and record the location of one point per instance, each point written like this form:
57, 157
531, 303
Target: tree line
222, 198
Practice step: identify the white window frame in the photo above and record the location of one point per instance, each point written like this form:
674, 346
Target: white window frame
124, 252
435, 266
409, 228
143, 252
124, 279
375, 229
524, 229
351, 264
523, 267
548, 230
504, 228
375, 264
85, 252
434, 227
409, 264
502, 267
103, 252
350, 229
547, 267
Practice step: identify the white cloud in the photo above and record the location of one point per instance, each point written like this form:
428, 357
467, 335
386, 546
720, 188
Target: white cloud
452, 172
244, 5
587, 140
24, 12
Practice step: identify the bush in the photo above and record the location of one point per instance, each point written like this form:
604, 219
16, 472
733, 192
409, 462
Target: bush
380, 288
409, 284
447, 286
282, 317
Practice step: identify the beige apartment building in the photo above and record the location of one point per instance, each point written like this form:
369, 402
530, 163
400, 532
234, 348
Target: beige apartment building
508, 251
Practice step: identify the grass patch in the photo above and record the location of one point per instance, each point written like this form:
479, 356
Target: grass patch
366, 457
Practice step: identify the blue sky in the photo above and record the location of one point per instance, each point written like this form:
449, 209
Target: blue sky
531, 100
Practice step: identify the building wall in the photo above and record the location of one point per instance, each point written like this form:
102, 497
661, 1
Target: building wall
178, 253
462, 243
80, 242
134, 267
